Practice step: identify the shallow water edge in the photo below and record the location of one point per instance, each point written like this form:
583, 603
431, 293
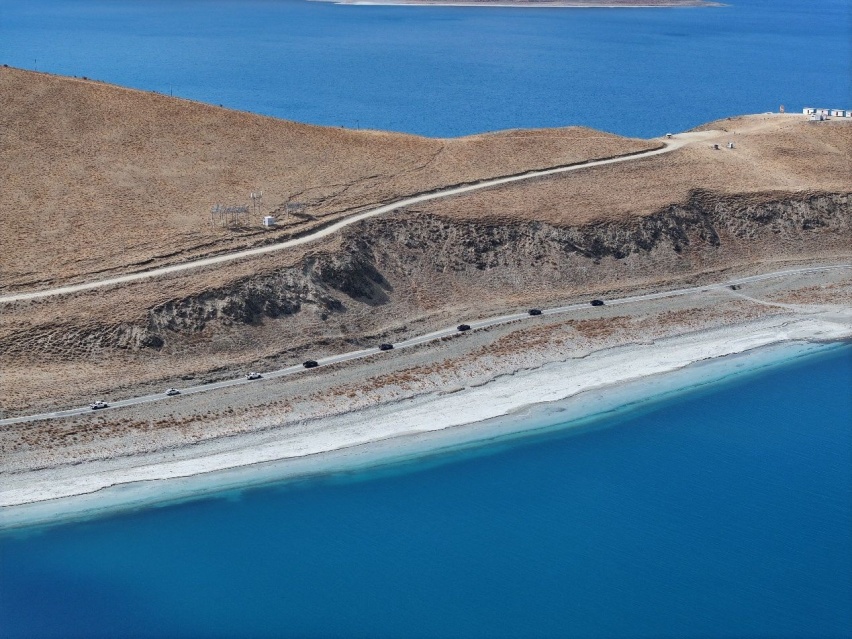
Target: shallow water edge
589, 410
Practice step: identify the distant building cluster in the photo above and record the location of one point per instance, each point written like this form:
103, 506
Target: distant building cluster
824, 114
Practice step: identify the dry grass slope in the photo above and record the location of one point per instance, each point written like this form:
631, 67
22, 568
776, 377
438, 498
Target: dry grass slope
772, 155
96, 178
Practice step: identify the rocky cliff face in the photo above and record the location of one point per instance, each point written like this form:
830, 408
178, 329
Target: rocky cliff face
413, 264
703, 232
705, 226
326, 283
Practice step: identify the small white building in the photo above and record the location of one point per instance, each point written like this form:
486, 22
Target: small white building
825, 112
808, 111
838, 113
268, 221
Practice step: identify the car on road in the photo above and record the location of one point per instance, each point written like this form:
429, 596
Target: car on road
597, 303
253, 375
535, 311
310, 364
172, 392
385, 347
463, 327
98, 405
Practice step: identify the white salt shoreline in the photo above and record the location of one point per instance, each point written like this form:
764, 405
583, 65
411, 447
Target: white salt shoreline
385, 432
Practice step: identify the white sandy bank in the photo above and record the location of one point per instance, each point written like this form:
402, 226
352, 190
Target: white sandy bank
430, 413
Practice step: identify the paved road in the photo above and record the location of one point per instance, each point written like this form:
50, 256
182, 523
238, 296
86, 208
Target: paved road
415, 341
675, 142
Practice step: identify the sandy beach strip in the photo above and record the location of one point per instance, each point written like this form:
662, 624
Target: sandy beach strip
109, 483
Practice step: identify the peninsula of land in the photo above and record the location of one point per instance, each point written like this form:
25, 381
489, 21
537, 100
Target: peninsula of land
575, 4
718, 241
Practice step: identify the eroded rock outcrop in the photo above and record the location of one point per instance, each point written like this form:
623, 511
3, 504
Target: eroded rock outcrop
481, 262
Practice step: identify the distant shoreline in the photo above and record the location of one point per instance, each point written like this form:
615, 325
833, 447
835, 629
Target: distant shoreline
539, 4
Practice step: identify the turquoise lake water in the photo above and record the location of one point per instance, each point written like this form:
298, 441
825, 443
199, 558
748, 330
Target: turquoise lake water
726, 512
721, 512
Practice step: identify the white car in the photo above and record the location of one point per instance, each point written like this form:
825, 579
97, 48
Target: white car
98, 405
172, 391
254, 376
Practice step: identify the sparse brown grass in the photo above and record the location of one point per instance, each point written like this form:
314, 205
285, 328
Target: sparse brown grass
772, 154
96, 178
599, 328
525, 339
825, 294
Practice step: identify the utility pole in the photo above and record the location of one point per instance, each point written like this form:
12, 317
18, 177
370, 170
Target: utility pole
257, 201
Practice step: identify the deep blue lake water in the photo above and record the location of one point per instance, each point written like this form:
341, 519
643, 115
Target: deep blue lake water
445, 71
722, 512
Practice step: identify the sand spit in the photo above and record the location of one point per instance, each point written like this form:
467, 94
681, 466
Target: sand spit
434, 412
541, 4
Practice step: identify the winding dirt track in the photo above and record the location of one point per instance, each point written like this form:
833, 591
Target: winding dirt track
672, 144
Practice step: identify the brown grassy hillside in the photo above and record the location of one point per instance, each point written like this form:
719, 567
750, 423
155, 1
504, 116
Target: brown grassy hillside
772, 154
96, 178
90, 162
